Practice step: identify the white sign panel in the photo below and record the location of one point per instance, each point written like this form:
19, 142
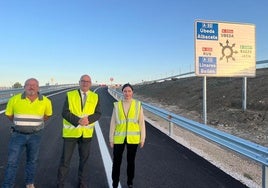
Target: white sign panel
224, 49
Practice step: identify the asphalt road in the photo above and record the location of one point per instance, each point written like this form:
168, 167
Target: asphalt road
162, 163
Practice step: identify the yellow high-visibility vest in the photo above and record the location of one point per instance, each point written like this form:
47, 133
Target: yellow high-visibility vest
127, 126
28, 113
69, 130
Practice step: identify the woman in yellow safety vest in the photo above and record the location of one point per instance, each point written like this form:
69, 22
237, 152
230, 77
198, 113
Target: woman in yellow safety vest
127, 127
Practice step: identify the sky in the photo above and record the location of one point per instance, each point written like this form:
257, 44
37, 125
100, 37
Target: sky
114, 41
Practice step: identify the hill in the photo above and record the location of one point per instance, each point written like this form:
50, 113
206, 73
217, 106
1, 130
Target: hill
224, 102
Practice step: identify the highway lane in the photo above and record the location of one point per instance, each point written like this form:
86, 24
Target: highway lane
162, 163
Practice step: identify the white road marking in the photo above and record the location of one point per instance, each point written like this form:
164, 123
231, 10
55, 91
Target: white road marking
106, 158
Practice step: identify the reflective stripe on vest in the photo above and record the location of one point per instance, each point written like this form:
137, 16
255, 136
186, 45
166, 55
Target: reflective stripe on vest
70, 126
69, 130
28, 120
127, 127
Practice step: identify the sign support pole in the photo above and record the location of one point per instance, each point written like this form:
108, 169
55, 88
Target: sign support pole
205, 99
264, 176
244, 94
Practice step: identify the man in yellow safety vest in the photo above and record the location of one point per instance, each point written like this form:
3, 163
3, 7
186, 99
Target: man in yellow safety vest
28, 111
81, 109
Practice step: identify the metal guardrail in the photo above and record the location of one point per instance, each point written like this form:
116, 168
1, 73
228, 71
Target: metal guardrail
188, 74
259, 65
6, 94
249, 149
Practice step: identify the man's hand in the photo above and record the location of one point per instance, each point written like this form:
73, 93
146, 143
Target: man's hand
83, 121
46, 117
11, 117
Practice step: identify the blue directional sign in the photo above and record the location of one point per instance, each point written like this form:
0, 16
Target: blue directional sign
207, 65
207, 31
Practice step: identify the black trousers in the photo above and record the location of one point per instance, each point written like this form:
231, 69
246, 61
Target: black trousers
68, 149
117, 159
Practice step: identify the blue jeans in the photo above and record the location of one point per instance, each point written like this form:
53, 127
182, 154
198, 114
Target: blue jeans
18, 142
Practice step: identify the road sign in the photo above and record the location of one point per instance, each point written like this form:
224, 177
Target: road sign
224, 49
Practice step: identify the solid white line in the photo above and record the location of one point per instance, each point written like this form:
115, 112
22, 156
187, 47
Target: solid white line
106, 158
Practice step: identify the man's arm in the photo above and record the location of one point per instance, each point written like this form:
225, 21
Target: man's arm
97, 114
66, 114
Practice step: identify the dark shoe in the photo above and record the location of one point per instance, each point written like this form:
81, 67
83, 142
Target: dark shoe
82, 185
60, 186
129, 183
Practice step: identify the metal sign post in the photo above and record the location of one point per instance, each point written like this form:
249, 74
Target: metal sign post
205, 99
244, 94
